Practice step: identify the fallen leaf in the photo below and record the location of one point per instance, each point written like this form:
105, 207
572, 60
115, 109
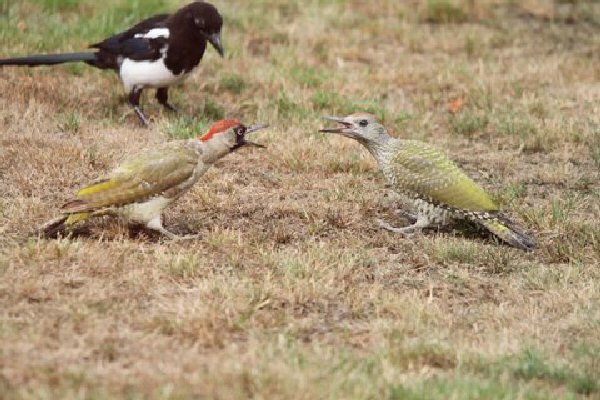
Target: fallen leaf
455, 105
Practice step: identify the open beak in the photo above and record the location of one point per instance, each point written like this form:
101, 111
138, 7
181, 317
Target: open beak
215, 40
254, 128
345, 129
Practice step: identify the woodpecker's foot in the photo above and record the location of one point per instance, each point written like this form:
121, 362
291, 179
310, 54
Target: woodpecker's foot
171, 236
165, 233
155, 224
143, 119
406, 230
406, 214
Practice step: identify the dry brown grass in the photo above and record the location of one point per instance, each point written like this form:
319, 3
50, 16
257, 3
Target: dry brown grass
292, 292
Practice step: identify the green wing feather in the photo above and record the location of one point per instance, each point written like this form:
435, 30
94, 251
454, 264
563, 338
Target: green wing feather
141, 177
424, 170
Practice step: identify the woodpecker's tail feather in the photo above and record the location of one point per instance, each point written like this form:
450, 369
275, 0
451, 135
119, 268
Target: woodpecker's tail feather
509, 233
50, 59
60, 226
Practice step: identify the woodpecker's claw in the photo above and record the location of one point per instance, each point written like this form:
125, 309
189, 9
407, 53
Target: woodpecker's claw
406, 231
406, 214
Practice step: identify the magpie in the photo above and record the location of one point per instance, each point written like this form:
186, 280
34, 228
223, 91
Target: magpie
156, 53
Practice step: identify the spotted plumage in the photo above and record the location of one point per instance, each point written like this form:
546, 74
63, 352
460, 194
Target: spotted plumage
439, 189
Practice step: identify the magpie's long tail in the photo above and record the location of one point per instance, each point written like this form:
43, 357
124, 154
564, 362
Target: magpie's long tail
49, 59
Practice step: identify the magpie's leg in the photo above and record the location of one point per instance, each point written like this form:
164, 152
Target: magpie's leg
162, 95
134, 101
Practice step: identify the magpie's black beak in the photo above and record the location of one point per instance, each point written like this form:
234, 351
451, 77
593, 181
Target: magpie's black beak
215, 40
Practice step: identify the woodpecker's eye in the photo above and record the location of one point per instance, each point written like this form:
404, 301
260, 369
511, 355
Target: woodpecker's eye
240, 130
363, 122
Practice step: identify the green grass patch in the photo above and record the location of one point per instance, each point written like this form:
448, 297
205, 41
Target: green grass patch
232, 83
309, 77
443, 12
76, 69
515, 376
469, 122
514, 124
335, 103
288, 108
59, 5
68, 24
70, 122
465, 387
187, 128
531, 365
595, 147
331, 101
508, 195
211, 110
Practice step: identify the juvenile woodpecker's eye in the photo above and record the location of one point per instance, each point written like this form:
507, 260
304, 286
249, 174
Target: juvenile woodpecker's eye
363, 122
240, 130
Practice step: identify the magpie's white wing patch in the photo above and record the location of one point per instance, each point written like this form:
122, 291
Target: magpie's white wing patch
154, 34
153, 74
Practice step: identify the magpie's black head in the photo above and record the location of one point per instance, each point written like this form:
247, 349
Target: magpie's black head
206, 19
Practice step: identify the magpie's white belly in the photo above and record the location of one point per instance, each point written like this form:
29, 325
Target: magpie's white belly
143, 212
153, 74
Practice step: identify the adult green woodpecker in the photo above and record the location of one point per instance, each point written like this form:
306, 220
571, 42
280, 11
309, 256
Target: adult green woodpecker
440, 190
140, 188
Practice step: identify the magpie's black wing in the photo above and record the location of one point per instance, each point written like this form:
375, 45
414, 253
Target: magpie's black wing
142, 27
132, 43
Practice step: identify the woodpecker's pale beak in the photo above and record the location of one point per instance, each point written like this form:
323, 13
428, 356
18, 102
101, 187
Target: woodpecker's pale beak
215, 40
254, 128
347, 129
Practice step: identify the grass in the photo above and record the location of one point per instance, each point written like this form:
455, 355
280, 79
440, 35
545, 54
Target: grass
443, 12
233, 83
292, 291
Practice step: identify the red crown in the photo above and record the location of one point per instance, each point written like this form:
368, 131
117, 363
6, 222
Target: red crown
218, 127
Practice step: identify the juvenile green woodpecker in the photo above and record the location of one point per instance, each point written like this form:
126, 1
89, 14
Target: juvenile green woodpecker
141, 187
440, 190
